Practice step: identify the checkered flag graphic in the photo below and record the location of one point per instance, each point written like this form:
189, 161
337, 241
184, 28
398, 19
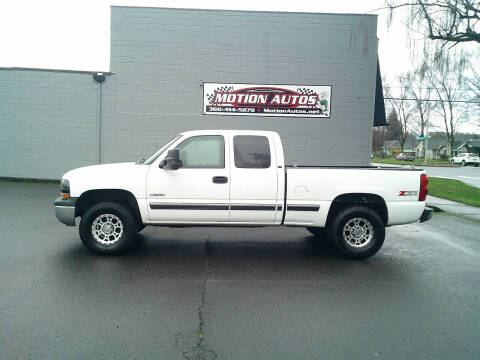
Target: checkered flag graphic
224, 89
211, 97
305, 91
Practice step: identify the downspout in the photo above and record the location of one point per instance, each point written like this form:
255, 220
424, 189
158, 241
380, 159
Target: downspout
99, 78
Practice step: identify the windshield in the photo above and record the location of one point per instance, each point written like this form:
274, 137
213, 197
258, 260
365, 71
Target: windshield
152, 158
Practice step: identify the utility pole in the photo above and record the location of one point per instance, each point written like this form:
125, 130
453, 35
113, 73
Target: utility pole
425, 146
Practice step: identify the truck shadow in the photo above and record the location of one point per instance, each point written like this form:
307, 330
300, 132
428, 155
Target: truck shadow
218, 245
229, 253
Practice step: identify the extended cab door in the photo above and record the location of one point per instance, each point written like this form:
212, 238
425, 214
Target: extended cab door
254, 183
197, 192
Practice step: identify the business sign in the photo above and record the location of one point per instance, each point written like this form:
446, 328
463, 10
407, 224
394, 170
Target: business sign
267, 100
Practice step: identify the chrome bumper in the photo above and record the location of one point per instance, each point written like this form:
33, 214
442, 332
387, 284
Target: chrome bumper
427, 215
65, 210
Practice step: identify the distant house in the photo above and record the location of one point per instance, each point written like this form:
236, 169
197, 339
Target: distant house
438, 146
435, 148
392, 147
410, 144
471, 146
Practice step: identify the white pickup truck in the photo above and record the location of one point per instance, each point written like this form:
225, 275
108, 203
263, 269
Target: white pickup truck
238, 178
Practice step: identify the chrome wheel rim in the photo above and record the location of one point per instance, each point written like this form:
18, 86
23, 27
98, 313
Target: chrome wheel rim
107, 229
358, 232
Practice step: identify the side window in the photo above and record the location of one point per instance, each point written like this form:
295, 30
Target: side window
203, 152
251, 152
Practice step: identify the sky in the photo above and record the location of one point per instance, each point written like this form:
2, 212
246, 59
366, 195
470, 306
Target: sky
75, 35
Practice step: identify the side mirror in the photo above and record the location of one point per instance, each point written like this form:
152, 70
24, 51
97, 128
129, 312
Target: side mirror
172, 160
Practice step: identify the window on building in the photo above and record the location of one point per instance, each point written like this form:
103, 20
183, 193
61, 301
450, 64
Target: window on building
251, 152
203, 152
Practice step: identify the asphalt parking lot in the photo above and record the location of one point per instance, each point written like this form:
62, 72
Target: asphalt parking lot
203, 293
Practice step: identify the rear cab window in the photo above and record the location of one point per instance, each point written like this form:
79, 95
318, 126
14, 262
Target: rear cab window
251, 151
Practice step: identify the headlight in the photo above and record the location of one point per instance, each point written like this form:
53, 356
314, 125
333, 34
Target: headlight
65, 188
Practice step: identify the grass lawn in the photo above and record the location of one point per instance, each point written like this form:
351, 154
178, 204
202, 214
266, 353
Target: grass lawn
454, 190
392, 160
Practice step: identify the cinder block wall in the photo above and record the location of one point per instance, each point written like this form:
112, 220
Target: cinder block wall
161, 57
47, 122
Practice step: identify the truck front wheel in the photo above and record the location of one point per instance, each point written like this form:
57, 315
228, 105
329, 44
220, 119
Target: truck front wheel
357, 232
107, 228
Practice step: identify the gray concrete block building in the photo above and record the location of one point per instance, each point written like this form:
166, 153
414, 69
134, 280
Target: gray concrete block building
52, 120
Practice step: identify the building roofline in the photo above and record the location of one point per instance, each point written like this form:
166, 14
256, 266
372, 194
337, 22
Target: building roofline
245, 11
54, 70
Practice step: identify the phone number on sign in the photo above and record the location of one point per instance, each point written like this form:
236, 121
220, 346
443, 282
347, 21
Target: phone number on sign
230, 109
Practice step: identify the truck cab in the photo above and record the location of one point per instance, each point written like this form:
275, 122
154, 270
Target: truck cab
222, 177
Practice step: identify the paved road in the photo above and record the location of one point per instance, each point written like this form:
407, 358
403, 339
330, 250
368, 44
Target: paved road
251, 294
467, 174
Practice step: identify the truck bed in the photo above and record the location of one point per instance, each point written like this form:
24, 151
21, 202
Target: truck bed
308, 185
365, 167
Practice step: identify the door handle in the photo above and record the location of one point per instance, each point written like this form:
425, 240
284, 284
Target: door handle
219, 179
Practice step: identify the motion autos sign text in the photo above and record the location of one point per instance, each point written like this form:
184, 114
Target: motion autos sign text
267, 100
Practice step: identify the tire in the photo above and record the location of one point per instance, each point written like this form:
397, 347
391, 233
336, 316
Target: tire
476, 165
370, 232
115, 228
464, 163
318, 232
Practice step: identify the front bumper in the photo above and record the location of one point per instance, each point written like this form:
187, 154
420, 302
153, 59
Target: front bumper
427, 215
65, 210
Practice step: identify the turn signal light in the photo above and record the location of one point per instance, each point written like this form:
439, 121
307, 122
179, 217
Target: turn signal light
422, 195
65, 196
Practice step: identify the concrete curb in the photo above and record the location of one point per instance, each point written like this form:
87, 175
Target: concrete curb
452, 207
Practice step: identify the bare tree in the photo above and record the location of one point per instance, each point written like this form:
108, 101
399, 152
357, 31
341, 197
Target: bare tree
419, 90
378, 138
446, 75
474, 87
445, 20
403, 110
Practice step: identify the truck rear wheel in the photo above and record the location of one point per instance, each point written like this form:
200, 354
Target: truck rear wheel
107, 228
357, 232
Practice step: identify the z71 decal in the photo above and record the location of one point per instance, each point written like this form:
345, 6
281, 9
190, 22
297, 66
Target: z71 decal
408, 193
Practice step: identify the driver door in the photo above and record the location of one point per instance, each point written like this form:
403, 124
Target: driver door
198, 191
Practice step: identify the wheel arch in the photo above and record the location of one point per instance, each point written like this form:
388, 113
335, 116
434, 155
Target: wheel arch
120, 196
372, 201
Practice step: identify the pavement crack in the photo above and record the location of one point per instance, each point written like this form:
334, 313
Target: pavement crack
201, 320
201, 350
